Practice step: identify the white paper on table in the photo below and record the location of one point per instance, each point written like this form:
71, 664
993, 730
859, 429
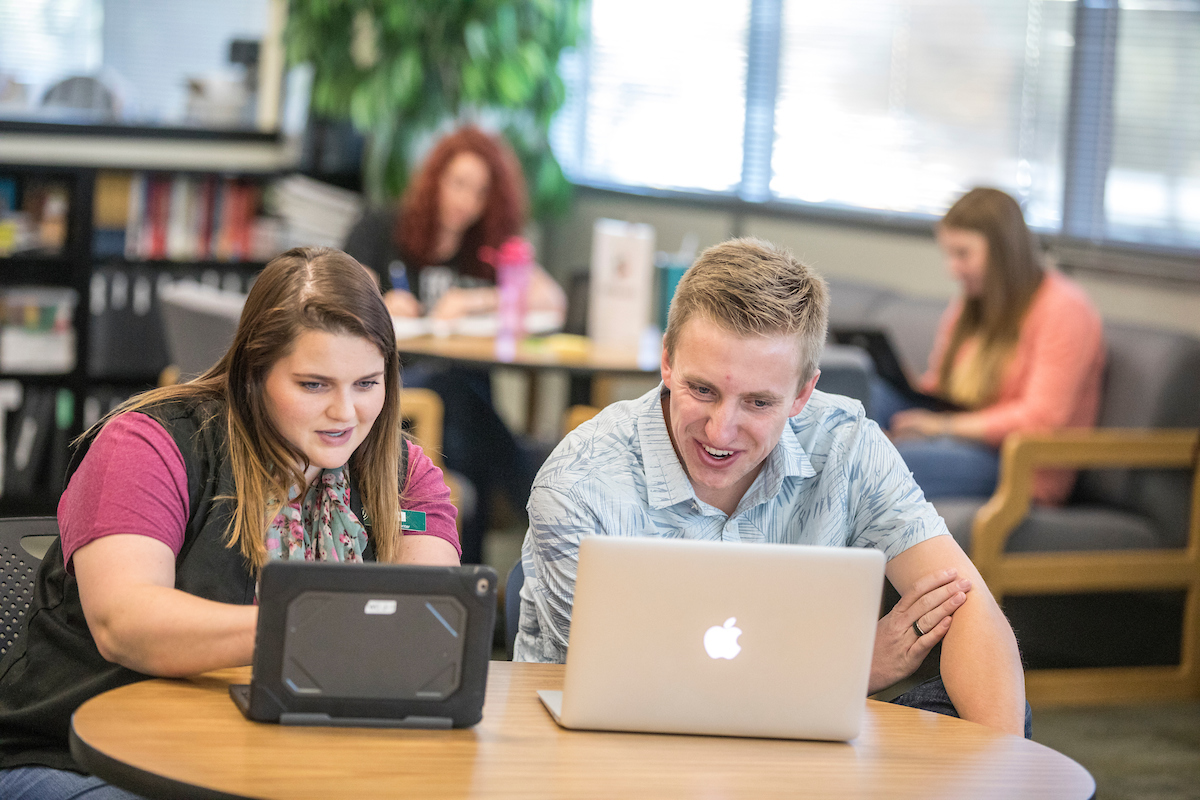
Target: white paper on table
537, 323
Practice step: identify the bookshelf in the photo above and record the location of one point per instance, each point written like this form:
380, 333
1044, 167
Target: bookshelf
102, 215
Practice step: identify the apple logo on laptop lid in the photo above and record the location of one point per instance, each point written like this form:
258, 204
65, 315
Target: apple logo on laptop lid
720, 641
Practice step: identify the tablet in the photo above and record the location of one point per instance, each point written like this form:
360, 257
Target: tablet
371, 645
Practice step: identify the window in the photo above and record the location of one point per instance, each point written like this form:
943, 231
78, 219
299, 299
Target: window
902, 106
1153, 189
1088, 112
131, 62
659, 95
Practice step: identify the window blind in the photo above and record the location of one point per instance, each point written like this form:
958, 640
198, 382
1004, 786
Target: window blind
143, 51
1152, 191
902, 105
1088, 112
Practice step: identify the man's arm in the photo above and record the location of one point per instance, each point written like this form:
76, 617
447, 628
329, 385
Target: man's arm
550, 557
981, 666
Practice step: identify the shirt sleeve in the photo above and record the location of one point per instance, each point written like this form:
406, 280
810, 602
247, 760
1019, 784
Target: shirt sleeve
888, 510
550, 559
132, 480
425, 490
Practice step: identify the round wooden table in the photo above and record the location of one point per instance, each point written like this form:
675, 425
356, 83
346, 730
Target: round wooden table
186, 739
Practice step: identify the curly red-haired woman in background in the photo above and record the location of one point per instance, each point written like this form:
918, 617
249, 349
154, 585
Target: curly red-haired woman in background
469, 193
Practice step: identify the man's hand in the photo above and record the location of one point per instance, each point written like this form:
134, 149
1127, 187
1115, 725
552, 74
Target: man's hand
899, 650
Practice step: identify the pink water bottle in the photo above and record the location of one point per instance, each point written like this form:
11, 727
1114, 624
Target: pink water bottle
513, 261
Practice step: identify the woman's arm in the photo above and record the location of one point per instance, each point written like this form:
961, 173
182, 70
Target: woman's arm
431, 550
141, 621
122, 519
1055, 371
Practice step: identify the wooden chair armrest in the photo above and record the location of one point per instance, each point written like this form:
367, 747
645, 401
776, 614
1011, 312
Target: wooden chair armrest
577, 415
1023, 453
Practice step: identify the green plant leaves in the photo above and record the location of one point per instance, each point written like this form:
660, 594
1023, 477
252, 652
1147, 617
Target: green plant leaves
437, 61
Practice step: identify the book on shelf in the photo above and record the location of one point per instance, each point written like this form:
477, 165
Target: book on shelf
36, 330
33, 215
185, 217
314, 213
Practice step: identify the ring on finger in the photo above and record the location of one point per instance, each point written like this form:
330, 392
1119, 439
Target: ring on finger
917, 628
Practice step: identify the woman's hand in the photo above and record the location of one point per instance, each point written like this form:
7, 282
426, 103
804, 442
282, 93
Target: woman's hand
915, 423
401, 303
457, 303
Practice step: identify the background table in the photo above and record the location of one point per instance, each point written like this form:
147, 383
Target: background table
186, 739
598, 365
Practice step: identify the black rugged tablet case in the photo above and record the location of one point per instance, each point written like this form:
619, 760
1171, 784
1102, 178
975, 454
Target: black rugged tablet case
371, 645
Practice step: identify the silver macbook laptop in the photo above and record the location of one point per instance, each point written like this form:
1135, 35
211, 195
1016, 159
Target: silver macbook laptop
679, 636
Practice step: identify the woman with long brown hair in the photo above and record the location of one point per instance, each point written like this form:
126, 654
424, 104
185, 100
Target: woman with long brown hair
1020, 349
468, 194
290, 447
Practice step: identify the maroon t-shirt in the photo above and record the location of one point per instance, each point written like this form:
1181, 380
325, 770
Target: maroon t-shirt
133, 480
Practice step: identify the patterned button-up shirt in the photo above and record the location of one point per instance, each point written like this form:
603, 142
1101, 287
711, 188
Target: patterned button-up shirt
833, 479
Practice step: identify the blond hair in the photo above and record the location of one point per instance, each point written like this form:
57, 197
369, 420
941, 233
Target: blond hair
753, 288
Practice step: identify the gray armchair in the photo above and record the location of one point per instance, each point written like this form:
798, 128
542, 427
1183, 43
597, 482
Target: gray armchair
1132, 524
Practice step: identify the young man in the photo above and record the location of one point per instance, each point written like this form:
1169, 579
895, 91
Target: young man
736, 445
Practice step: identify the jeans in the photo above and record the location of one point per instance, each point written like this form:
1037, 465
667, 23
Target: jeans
942, 467
931, 696
44, 783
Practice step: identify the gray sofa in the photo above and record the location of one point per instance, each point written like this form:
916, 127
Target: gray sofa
1130, 525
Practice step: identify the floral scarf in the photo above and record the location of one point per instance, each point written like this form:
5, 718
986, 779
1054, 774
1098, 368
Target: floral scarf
322, 528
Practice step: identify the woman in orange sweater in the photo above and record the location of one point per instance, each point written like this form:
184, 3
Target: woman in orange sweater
1021, 349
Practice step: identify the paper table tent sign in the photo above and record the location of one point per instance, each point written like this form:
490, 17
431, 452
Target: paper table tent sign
622, 284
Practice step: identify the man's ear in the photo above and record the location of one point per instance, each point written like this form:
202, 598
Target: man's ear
802, 397
665, 367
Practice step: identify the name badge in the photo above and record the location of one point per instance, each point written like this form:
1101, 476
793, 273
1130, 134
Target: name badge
412, 521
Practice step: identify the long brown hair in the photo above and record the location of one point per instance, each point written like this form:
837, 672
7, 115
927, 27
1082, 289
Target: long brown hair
504, 212
304, 289
1012, 277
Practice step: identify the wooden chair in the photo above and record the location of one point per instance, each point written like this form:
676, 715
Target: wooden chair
577, 415
422, 412
1132, 526
1069, 572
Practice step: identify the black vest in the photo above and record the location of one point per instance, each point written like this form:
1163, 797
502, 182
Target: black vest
54, 666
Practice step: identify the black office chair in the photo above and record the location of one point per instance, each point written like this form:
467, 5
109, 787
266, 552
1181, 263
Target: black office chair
23, 542
512, 605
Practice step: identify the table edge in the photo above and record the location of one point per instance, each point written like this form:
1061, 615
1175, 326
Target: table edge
139, 781
153, 785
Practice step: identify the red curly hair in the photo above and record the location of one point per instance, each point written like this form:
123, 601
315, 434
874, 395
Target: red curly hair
503, 216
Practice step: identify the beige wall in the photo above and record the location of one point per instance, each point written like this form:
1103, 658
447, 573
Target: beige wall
904, 261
